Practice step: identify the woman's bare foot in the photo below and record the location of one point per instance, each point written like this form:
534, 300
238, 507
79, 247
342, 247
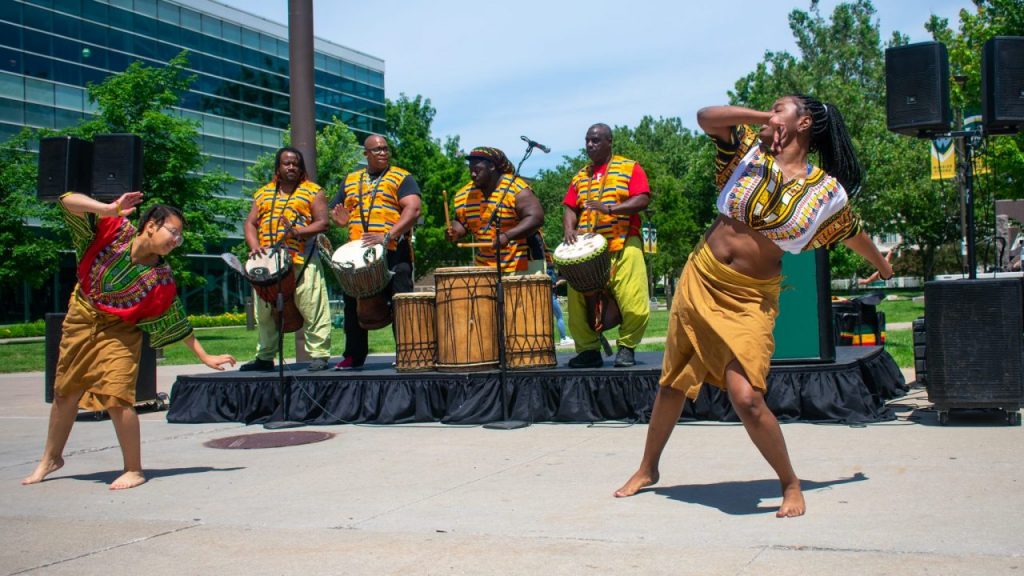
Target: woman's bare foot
129, 479
44, 469
792, 502
639, 479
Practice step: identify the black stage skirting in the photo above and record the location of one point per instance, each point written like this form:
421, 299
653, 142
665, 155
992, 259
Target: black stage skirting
853, 389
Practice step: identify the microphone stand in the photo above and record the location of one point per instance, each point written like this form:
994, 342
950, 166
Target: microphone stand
495, 223
285, 385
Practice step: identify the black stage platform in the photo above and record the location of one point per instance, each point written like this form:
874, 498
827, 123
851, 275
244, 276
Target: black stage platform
853, 389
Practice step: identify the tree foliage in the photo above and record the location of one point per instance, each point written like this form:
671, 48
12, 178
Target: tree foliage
136, 101
437, 167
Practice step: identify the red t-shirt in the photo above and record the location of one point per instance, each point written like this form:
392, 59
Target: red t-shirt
637, 185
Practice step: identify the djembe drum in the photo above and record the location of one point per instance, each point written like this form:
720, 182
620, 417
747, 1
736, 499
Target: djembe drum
363, 274
271, 274
587, 267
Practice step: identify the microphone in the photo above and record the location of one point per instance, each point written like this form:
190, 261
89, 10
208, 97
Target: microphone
535, 144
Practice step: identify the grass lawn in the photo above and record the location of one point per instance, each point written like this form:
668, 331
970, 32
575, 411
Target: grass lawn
241, 343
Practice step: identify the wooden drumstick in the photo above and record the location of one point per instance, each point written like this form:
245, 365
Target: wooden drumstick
447, 219
473, 244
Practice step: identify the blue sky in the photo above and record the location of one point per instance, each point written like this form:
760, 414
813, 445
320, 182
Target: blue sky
548, 69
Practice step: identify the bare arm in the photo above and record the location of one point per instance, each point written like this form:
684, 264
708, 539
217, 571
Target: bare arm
81, 204
862, 244
570, 219
409, 212
215, 361
530, 215
252, 230
716, 121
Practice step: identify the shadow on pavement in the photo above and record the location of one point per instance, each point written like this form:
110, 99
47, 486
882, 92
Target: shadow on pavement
740, 498
151, 473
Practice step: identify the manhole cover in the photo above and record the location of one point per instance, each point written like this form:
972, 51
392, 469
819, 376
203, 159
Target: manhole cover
268, 440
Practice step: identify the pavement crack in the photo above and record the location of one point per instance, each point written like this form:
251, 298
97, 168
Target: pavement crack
105, 549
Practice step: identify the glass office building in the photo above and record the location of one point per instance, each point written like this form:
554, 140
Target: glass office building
50, 49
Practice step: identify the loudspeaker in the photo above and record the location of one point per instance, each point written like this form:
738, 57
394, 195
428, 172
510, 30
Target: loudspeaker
65, 165
917, 89
974, 347
116, 165
145, 384
1002, 84
803, 331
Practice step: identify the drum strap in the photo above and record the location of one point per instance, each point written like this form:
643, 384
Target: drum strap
365, 213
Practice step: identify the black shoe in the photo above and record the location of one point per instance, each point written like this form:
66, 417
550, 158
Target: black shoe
317, 364
257, 365
587, 359
625, 358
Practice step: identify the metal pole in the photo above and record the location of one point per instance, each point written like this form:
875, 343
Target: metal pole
302, 107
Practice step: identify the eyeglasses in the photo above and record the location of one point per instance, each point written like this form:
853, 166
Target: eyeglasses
379, 150
176, 234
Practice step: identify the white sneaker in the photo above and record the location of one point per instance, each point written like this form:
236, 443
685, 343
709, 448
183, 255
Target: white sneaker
567, 342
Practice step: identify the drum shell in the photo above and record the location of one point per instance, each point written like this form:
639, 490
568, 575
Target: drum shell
467, 319
362, 281
415, 331
587, 275
529, 323
267, 279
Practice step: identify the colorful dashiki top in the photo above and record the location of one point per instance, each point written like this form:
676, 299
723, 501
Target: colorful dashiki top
797, 215
144, 296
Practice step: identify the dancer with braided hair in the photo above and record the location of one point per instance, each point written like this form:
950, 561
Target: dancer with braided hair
772, 200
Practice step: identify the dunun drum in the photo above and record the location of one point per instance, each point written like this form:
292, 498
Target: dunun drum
415, 331
363, 274
587, 264
529, 331
467, 318
270, 273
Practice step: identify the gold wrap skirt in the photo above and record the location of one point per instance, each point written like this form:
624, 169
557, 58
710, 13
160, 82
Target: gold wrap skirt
718, 314
99, 357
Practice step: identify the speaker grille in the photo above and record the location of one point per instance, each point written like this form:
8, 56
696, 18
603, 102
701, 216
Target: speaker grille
1002, 84
974, 339
64, 166
116, 165
917, 89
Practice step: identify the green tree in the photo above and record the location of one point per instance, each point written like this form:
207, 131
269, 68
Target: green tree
337, 154
438, 167
841, 61
136, 101
1002, 155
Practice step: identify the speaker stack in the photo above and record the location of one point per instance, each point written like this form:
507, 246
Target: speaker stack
105, 168
974, 351
969, 348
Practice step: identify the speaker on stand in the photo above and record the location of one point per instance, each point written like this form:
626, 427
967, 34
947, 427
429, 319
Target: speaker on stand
65, 165
917, 89
1002, 84
116, 165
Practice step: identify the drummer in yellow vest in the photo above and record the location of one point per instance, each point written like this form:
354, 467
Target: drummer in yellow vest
607, 196
379, 204
494, 186
291, 210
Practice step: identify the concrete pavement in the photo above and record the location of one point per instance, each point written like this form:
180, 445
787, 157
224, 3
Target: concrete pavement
907, 497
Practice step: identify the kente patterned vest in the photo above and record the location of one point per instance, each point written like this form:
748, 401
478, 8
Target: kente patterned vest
297, 208
473, 211
612, 189
373, 201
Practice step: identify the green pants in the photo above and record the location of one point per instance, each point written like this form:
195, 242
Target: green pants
629, 287
312, 301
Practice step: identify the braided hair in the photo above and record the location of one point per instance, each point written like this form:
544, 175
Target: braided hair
831, 140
